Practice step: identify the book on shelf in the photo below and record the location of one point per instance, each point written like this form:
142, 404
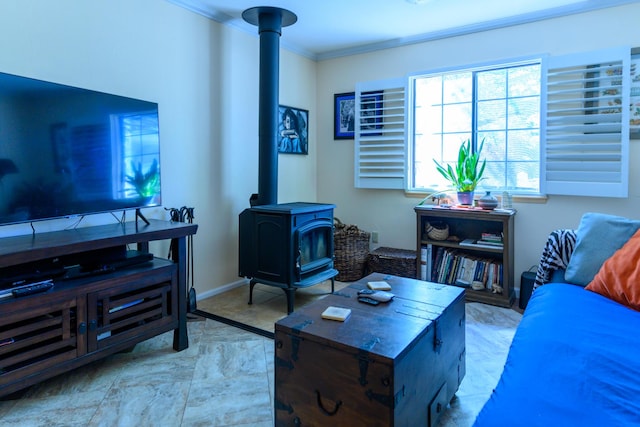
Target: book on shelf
481, 244
491, 237
426, 261
453, 267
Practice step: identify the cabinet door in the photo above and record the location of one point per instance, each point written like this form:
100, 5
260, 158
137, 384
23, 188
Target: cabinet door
37, 333
140, 307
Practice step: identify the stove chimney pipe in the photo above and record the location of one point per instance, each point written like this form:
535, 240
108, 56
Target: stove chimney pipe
270, 21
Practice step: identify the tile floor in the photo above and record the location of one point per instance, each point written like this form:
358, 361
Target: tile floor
224, 378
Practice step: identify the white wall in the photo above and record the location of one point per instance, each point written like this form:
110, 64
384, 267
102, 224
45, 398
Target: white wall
205, 78
204, 75
390, 212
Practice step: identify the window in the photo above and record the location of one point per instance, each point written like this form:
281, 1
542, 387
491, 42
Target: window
499, 106
555, 125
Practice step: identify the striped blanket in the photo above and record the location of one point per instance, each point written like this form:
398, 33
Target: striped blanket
556, 254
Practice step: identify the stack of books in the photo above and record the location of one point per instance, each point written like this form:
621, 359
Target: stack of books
491, 238
452, 267
480, 243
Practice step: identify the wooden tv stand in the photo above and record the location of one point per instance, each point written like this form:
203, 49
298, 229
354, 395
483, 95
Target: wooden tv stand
87, 318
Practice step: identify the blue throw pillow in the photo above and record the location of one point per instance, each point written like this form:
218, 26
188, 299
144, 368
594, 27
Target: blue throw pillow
599, 236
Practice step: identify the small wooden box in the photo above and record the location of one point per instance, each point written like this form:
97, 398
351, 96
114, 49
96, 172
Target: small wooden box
394, 364
399, 262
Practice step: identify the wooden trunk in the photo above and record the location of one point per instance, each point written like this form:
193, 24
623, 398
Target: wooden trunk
394, 364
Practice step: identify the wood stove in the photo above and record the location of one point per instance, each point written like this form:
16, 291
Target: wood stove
288, 245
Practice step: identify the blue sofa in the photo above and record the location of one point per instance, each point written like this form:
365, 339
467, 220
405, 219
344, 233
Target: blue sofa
575, 357
574, 361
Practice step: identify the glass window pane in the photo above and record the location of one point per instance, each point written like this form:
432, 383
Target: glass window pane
523, 176
492, 115
524, 145
494, 175
524, 112
457, 88
492, 84
524, 80
456, 118
494, 145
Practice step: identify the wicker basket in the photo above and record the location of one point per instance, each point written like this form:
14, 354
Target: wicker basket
437, 230
350, 251
399, 262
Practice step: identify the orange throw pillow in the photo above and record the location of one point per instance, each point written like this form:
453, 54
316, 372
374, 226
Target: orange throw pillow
619, 276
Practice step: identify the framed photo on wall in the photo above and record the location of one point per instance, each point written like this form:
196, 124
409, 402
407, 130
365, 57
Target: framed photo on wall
293, 130
344, 107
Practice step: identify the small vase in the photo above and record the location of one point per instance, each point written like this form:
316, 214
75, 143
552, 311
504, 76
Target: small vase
465, 197
488, 201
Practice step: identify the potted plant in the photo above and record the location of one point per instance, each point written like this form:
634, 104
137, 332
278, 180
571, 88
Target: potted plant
467, 172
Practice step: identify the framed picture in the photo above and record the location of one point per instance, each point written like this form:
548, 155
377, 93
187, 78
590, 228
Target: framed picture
293, 130
344, 107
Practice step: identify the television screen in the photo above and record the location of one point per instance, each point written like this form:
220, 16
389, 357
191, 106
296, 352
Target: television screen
67, 151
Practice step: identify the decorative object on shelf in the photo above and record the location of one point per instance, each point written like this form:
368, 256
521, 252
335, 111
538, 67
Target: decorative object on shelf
467, 173
437, 230
507, 201
488, 201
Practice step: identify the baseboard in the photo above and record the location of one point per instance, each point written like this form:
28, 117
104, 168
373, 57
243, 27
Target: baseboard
221, 289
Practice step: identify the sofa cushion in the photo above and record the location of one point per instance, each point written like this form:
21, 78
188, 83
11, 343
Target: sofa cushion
619, 276
598, 237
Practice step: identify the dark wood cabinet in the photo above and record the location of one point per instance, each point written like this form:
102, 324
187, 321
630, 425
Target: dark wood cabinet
395, 364
465, 230
84, 319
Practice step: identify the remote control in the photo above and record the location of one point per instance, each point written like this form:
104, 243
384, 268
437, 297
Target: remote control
368, 300
32, 289
381, 296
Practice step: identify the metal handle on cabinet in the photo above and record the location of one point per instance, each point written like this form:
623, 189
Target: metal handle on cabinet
82, 328
321, 405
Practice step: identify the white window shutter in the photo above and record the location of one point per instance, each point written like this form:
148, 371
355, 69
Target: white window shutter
380, 134
585, 144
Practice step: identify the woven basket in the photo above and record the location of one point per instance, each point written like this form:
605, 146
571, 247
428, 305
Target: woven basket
350, 251
437, 230
399, 262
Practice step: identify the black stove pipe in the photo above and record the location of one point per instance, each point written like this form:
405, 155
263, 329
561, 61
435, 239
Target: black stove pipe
270, 21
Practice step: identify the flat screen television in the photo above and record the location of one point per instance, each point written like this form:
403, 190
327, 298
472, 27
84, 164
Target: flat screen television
67, 151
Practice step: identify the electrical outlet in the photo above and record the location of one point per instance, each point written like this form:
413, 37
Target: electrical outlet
374, 236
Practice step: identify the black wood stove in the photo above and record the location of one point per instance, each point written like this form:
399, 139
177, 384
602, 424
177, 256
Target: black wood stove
288, 245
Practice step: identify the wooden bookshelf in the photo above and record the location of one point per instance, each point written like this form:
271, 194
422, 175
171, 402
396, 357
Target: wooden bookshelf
492, 263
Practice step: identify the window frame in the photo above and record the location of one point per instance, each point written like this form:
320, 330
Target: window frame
473, 69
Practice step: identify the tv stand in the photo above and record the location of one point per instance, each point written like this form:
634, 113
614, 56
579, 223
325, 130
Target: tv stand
84, 319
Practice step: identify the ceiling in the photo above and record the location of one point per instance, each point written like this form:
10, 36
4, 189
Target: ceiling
332, 28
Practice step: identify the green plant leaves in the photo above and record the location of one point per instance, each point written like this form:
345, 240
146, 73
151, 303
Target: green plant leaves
466, 175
